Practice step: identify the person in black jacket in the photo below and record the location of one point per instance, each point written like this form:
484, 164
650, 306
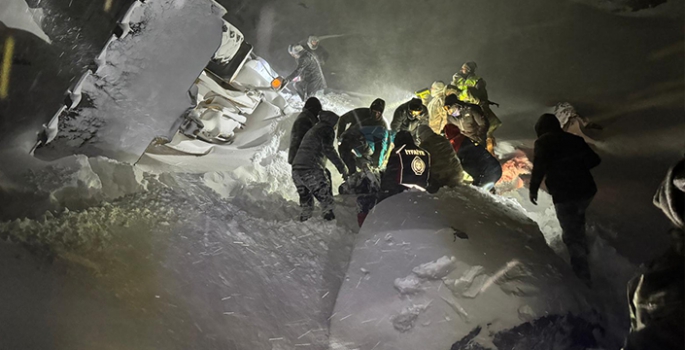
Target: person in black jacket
475, 159
365, 116
446, 170
408, 116
310, 175
309, 70
656, 296
565, 161
304, 121
408, 168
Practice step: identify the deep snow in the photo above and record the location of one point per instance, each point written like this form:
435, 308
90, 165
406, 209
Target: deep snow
187, 252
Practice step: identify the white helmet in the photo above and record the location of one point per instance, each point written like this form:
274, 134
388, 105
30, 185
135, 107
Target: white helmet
313, 42
295, 50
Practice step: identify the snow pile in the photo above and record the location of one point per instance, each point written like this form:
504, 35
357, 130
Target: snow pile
74, 183
450, 264
17, 14
240, 269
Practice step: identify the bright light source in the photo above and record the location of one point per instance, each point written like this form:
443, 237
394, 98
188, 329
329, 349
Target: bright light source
6, 67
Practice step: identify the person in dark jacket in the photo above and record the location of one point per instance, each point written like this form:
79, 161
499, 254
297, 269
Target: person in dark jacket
359, 127
446, 170
365, 116
475, 159
312, 80
408, 168
565, 160
408, 116
468, 117
304, 121
655, 297
313, 45
310, 175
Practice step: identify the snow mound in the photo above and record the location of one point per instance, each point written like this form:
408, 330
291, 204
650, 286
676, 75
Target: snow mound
437, 285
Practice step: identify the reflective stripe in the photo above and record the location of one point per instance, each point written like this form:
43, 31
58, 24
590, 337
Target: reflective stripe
463, 85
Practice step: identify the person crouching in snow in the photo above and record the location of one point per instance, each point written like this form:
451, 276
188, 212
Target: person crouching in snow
564, 161
475, 159
445, 166
408, 168
309, 172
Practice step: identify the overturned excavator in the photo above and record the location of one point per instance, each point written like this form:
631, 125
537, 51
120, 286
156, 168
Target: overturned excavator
227, 85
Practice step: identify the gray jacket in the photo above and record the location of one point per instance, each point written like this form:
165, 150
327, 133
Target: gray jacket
317, 145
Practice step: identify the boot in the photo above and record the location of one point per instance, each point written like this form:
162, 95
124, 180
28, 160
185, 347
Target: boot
490, 146
328, 216
305, 216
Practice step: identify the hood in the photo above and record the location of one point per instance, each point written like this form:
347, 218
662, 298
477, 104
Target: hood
425, 132
415, 104
328, 117
546, 124
313, 105
670, 197
403, 138
378, 105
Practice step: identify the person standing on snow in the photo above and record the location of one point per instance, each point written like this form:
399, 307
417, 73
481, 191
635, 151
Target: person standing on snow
310, 175
408, 116
408, 168
468, 117
305, 121
437, 116
655, 297
472, 90
446, 170
308, 70
312, 45
564, 161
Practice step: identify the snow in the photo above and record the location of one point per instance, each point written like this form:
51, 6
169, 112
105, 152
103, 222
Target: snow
17, 14
434, 288
135, 97
204, 252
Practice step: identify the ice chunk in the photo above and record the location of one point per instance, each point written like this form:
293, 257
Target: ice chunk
408, 285
436, 269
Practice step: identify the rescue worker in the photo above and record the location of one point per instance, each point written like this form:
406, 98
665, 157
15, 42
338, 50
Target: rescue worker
472, 90
408, 116
408, 168
304, 121
308, 70
468, 117
437, 116
310, 175
362, 132
564, 161
445, 167
366, 146
475, 159
655, 297
312, 44
365, 116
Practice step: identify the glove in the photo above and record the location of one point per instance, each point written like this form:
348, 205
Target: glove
534, 198
345, 174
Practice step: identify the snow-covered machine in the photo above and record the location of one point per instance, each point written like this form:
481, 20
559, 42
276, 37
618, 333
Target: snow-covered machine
232, 87
228, 92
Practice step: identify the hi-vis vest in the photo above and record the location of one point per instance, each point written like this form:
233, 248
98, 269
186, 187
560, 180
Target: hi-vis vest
463, 85
414, 167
